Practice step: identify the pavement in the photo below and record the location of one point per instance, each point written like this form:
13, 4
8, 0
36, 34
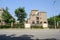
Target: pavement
29, 34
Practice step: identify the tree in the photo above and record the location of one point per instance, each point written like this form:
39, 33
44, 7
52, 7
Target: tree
51, 19
7, 16
57, 18
12, 21
21, 15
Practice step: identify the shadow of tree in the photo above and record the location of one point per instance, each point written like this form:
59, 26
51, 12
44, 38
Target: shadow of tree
23, 37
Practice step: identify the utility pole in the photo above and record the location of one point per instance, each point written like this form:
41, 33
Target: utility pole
54, 2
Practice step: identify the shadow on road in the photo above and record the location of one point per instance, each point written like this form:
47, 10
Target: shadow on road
23, 37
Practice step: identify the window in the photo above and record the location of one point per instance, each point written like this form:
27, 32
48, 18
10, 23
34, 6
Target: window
45, 22
37, 22
40, 22
37, 18
33, 22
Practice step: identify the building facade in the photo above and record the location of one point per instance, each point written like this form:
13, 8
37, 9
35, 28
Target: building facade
1, 19
37, 18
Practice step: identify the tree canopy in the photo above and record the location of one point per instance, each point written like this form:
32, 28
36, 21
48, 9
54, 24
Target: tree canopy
51, 19
21, 15
7, 16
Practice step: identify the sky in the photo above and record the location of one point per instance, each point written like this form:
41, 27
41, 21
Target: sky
41, 5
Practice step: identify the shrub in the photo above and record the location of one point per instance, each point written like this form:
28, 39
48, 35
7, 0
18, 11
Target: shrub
58, 27
51, 26
37, 27
5, 26
18, 26
15, 26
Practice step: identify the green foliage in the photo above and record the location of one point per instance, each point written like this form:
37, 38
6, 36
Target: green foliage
51, 20
18, 26
51, 26
57, 18
35, 26
4, 26
12, 20
7, 16
21, 15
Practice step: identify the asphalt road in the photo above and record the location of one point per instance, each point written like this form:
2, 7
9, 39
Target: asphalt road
29, 34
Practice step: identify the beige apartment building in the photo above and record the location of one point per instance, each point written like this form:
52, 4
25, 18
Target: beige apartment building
1, 20
37, 18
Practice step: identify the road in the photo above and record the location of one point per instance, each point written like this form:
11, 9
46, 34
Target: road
29, 34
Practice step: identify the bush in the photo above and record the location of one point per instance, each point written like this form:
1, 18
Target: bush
51, 26
21, 26
37, 27
58, 27
5, 26
18, 26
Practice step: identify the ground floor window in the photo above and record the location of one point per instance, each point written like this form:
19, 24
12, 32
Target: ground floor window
33, 22
40, 22
45, 22
37, 22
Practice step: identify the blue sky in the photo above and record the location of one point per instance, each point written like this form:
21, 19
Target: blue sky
41, 5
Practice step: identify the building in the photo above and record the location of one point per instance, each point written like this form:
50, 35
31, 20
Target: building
37, 18
1, 19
